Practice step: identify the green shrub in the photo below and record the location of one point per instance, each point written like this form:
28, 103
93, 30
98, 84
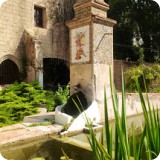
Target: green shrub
20, 100
13, 112
151, 74
61, 95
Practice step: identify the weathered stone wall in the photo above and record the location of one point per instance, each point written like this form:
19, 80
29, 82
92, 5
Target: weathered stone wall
15, 16
94, 75
102, 44
17, 19
133, 104
82, 74
102, 57
93, 72
60, 41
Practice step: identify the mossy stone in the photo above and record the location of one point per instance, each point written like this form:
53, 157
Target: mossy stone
38, 158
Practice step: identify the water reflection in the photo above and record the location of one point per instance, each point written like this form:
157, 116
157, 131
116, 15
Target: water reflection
51, 149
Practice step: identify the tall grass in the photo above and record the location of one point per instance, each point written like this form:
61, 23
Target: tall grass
124, 146
149, 143
152, 125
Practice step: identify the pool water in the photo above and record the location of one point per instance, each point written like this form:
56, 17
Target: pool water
50, 149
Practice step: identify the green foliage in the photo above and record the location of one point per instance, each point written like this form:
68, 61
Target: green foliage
65, 157
61, 96
13, 112
139, 19
45, 123
152, 125
20, 100
38, 158
150, 73
140, 52
148, 145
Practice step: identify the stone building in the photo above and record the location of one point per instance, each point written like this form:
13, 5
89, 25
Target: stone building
32, 45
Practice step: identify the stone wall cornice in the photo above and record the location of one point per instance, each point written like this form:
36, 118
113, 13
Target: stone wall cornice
105, 21
83, 21
99, 5
87, 20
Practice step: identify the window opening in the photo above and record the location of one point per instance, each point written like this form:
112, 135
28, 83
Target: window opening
39, 16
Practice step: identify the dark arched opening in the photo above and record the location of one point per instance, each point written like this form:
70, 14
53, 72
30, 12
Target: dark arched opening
9, 72
55, 72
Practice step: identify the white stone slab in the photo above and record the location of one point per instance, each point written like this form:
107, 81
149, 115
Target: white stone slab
92, 114
2, 1
62, 118
1, 157
39, 117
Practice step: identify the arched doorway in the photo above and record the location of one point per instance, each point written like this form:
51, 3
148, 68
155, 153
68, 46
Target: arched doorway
55, 72
9, 72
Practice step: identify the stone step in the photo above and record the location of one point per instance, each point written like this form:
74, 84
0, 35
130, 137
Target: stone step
49, 116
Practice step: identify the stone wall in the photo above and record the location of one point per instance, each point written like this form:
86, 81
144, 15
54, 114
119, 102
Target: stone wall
91, 53
60, 41
15, 16
17, 19
102, 57
133, 104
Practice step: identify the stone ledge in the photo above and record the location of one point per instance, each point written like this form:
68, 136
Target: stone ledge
13, 138
39, 117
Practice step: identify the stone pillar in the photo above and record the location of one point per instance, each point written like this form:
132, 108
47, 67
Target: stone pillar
39, 61
91, 48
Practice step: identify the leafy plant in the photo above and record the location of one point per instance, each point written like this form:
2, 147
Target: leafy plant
140, 52
152, 125
45, 123
13, 112
38, 158
125, 145
61, 95
20, 100
65, 157
151, 74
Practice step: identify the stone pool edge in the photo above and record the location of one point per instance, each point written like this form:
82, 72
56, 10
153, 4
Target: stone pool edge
22, 136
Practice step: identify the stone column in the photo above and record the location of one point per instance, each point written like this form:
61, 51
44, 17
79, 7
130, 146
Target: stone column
91, 49
39, 61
